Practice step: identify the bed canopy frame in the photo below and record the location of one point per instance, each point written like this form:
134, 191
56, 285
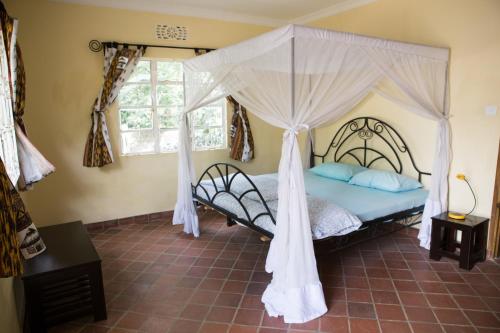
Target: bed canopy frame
299, 78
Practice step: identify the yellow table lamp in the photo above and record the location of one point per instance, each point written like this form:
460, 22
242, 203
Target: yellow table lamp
458, 216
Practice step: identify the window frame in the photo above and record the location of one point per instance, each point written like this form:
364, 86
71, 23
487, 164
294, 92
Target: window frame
154, 107
224, 126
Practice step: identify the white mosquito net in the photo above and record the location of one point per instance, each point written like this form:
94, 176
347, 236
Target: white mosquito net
298, 78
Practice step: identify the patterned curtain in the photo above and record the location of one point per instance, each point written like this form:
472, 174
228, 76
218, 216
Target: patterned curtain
119, 63
18, 234
242, 147
33, 166
19, 89
10, 255
241, 139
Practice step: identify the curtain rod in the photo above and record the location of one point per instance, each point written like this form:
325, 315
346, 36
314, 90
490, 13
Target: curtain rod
97, 46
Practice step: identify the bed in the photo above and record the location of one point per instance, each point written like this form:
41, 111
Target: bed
341, 214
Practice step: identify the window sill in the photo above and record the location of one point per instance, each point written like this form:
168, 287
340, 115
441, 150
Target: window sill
170, 152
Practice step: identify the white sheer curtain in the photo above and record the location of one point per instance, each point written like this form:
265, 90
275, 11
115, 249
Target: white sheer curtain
298, 78
200, 88
33, 165
419, 84
185, 212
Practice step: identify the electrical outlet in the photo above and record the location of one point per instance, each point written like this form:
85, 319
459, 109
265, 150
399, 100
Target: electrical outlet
490, 110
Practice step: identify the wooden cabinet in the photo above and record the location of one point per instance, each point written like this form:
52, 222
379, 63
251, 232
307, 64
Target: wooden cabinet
64, 282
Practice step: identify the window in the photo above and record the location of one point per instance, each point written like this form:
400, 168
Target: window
151, 102
8, 147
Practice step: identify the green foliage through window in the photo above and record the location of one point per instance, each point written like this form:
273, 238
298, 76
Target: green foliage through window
169, 117
170, 95
136, 119
142, 72
135, 95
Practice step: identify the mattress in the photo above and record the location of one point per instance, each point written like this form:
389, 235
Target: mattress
362, 203
366, 203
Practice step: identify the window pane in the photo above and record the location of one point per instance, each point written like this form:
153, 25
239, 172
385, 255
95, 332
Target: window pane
169, 117
169, 71
142, 73
138, 142
169, 140
131, 119
135, 95
5, 112
9, 153
210, 115
170, 95
208, 138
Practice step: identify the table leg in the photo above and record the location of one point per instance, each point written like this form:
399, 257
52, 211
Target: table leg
450, 237
466, 249
482, 239
435, 251
33, 309
98, 300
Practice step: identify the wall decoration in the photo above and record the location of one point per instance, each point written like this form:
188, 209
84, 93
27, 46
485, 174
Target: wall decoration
172, 32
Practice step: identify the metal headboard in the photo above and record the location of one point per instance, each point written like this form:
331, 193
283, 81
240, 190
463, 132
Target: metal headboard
351, 142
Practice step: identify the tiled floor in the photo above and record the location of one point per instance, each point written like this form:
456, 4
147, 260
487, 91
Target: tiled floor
159, 280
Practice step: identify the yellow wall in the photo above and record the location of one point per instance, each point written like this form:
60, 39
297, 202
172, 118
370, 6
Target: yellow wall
470, 29
63, 79
8, 315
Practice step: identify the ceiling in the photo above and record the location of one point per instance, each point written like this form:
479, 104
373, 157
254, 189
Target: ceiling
263, 12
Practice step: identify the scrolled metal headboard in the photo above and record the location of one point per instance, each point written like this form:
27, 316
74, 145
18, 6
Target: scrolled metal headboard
351, 142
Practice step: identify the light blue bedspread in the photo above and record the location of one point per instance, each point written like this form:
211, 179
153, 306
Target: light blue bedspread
366, 203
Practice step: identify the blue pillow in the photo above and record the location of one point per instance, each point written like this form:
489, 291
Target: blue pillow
385, 180
339, 171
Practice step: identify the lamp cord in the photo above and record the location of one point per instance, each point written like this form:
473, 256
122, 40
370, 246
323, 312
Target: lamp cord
475, 201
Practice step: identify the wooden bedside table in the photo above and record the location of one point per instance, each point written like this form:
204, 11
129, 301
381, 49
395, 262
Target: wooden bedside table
472, 247
65, 281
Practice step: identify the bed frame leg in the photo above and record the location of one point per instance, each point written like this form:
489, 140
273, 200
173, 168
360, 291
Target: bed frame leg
265, 239
230, 222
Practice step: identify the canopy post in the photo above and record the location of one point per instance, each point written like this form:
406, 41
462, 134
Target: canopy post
183, 90
292, 81
184, 102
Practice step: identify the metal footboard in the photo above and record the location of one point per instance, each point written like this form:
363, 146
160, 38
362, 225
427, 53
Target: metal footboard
227, 173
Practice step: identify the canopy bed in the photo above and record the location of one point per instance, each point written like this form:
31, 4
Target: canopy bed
364, 141
298, 78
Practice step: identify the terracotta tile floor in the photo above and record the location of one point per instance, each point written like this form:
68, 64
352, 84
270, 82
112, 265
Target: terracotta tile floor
159, 280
